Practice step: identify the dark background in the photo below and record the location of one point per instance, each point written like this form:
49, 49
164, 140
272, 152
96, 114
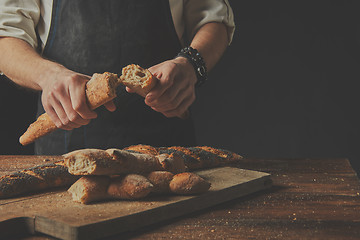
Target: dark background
286, 87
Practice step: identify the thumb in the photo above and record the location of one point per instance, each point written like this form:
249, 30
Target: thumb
110, 106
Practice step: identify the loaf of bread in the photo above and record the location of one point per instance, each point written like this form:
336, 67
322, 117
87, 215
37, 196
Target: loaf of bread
194, 157
141, 148
116, 161
99, 90
171, 162
90, 189
35, 179
188, 183
140, 159
131, 186
160, 181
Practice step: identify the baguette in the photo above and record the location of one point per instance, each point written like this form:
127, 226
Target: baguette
131, 186
90, 189
99, 90
141, 159
173, 162
140, 148
188, 183
160, 180
116, 161
141, 81
194, 157
35, 179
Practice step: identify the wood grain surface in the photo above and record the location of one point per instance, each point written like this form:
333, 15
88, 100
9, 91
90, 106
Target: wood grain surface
55, 214
309, 199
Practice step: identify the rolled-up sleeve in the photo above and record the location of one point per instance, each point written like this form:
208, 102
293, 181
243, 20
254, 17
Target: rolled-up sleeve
197, 13
18, 19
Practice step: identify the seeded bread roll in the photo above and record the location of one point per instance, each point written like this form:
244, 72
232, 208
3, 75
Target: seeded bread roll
99, 90
194, 157
140, 148
34, 179
202, 157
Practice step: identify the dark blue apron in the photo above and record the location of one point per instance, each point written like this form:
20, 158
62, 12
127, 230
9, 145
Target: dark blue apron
93, 36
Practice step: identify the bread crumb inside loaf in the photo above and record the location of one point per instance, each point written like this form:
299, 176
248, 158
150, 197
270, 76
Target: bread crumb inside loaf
135, 75
140, 74
82, 167
138, 79
78, 193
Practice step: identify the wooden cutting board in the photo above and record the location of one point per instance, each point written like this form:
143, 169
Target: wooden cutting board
55, 214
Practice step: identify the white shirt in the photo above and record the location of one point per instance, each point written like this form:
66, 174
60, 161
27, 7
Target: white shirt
24, 19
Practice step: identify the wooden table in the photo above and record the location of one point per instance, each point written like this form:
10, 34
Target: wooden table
310, 199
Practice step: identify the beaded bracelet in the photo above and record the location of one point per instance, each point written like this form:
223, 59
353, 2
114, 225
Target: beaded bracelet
197, 62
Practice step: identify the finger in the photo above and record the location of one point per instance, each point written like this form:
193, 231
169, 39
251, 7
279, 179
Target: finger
172, 98
50, 110
72, 118
164, 82
78, 101
54, 117
110, 106
129, 90
65, 123
182, 110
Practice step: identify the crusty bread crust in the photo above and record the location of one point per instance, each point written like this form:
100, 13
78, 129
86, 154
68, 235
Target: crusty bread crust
160, 180
188, 183
110, 162
90, 189
131, 186
144, 158
99, 90
97, 161
34, 179
134, 186
42, 126
171, 162
140, 148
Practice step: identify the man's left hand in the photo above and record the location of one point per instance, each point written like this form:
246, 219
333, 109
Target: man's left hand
175, 90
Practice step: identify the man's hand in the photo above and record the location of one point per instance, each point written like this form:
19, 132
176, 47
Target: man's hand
175, 91
63, 91
64, 100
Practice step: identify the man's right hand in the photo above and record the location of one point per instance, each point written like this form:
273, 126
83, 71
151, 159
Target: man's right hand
63, 98
63, 91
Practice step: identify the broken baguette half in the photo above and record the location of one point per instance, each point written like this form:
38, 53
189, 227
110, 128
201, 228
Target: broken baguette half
100, 89
138, 79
